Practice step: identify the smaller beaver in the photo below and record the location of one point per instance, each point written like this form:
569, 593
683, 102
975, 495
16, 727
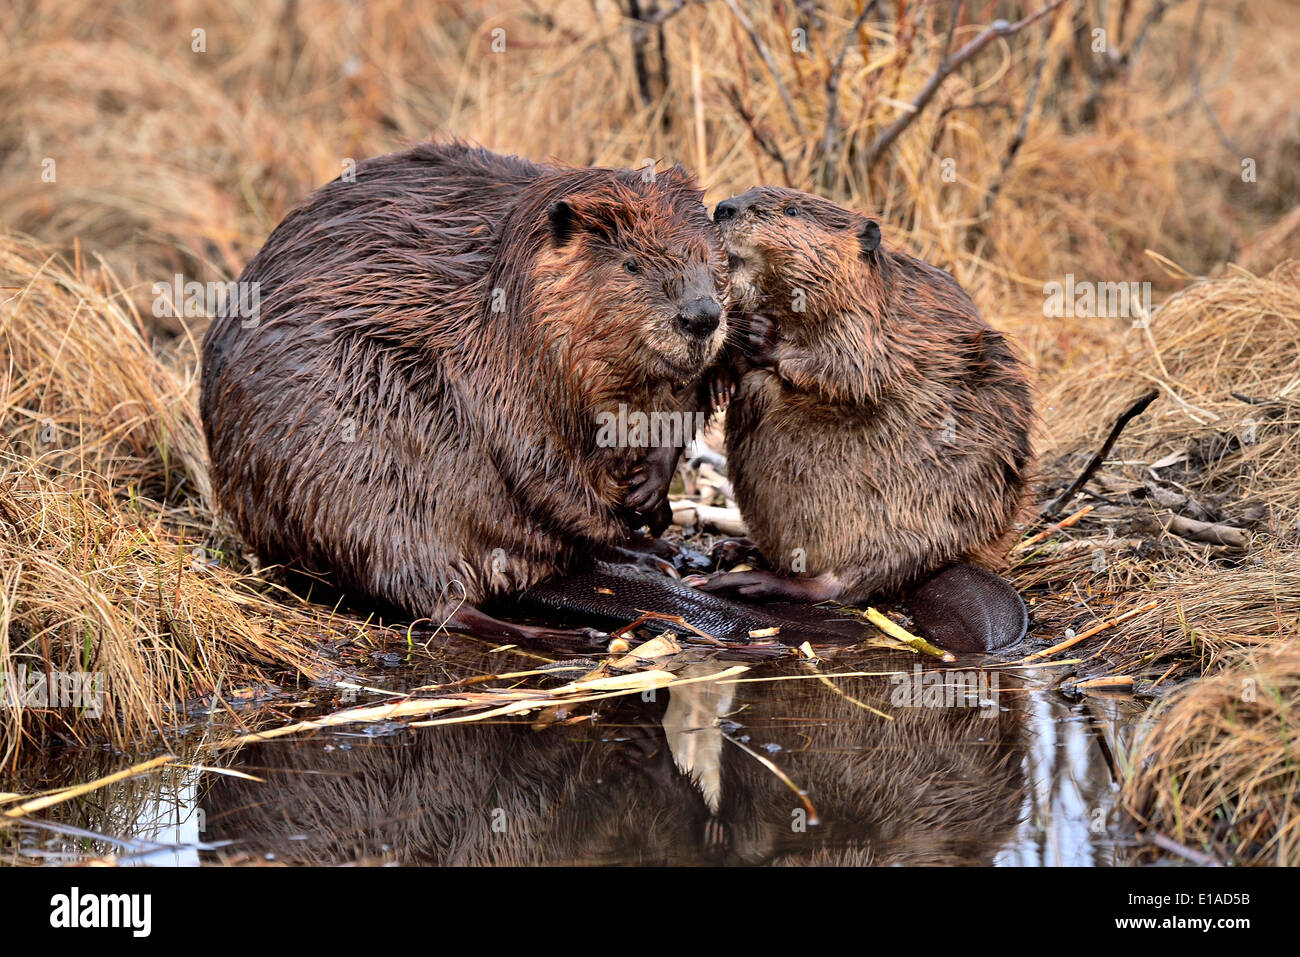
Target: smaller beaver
879, 432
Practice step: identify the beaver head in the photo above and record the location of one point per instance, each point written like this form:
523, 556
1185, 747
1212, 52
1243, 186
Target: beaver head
638, 257
783, 242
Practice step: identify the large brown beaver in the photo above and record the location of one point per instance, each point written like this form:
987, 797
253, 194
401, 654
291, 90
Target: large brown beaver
416, 407
880, 431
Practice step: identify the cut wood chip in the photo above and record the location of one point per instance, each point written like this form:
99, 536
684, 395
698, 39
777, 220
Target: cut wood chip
665, 646
915, 642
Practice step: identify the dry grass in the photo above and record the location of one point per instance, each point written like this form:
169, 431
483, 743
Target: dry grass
1225, 435
110, 563
173, 161
1218, 770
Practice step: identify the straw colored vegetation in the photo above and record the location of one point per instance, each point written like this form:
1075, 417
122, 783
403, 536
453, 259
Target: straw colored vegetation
128, 155
1221, 771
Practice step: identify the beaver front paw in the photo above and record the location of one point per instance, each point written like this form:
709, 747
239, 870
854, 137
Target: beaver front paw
759, 338
646, 488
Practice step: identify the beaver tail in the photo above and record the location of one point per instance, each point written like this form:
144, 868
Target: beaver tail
968, 608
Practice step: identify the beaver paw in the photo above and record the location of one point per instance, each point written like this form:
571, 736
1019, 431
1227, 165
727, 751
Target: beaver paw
730, 552
645, 486
759, 338
720, 384
767, 586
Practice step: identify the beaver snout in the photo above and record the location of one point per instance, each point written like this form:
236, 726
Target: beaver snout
700, 317
727, 209
731, 208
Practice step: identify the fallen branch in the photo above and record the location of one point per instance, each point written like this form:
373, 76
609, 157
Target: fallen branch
1132, 412
1211, 533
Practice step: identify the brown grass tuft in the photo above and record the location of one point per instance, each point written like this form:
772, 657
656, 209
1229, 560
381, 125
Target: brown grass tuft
1218, 769
110, 562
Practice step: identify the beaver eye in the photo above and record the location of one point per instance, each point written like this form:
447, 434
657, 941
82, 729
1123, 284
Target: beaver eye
632, 266
792, 210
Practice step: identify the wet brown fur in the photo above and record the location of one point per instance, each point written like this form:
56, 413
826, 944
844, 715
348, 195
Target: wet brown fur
891, 437
415, 410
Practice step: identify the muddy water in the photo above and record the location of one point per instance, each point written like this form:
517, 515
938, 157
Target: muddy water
902, 765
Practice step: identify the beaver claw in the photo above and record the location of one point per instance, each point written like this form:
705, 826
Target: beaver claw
759, 338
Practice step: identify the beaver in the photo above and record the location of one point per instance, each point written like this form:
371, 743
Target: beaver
879, 435
653, 779
416, 407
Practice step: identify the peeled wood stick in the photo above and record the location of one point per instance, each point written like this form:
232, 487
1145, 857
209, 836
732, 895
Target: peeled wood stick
725, 520
1096, 629
1109, 681
917, 643
1053, 529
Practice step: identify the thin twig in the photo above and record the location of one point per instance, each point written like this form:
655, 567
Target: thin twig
1133, 411
831, 136
748, 26
1094, 630
999, 28
1055, 527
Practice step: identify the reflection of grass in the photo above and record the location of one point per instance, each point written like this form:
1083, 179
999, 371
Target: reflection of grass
172, 161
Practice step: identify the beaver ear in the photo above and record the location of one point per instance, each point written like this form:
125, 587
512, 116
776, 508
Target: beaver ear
869, 237
561, 221
581, 211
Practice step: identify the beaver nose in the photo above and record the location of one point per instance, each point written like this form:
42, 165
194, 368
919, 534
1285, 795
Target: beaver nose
700, 317
725, 210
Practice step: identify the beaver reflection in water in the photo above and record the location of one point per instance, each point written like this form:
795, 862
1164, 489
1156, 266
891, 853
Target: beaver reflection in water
939, 784
415, 409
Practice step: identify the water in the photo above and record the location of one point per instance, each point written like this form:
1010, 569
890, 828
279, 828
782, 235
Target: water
978, 765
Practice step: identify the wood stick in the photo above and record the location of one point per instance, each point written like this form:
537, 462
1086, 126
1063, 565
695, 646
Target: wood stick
1211, 533
916, 642
1109, 681
1095, 630
725, 520
1132, 412
1053, 529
